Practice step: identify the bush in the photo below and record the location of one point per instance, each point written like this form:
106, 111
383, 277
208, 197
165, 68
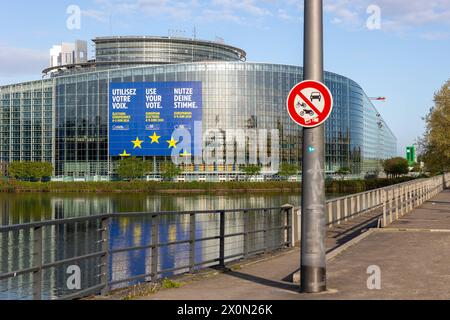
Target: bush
342, 172
288, 170
147, 186
132, 168
396, 167
170, 171
252, 170
30, 171
349, 186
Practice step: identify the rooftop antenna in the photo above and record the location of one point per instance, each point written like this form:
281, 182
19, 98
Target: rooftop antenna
195, 39
220, 40
110, 24
173, 33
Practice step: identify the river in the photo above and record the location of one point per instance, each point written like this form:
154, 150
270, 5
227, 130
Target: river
69, 241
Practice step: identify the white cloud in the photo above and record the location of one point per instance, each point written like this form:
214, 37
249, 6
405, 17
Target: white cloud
242, 6
236, 11
397, 15
343, 11
435, 36
98, 15
284, 15
21, 61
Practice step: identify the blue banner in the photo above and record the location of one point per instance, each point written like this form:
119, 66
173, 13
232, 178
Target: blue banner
143, 117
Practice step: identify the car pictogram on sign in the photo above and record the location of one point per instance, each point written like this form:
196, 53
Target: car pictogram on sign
316, 96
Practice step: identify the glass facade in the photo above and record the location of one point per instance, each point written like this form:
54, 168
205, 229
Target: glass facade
116, 51
235, 96
64, 119
27, 125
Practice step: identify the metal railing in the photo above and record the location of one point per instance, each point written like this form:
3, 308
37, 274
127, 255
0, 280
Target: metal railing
119, 250
392, 202
51, 248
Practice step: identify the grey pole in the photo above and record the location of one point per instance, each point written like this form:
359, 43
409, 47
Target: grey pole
313, 252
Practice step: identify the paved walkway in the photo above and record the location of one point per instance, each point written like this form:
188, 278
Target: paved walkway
413, 255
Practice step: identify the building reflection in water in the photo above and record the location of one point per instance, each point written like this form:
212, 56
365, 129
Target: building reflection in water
62, 242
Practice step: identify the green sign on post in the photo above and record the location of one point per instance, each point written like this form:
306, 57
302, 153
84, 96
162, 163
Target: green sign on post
411, 155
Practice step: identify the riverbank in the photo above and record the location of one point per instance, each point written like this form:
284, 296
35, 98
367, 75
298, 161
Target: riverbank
337, 186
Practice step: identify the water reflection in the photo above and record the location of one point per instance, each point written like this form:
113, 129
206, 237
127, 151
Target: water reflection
66, 241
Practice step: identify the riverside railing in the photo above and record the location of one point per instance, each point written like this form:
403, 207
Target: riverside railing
392, 202
78, 257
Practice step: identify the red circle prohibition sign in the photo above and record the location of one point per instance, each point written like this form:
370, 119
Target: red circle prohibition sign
310, 103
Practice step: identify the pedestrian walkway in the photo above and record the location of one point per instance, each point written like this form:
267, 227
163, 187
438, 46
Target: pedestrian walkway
413, 255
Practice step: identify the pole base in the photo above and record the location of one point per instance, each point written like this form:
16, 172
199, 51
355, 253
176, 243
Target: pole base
313, 279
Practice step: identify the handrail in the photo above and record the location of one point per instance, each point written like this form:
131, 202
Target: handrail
395, 201
45, 223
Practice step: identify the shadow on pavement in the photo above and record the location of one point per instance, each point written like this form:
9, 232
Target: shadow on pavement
283, 284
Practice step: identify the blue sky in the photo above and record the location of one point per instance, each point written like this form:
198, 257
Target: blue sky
406, 60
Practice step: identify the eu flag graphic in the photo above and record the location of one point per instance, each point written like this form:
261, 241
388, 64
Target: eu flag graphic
144, 115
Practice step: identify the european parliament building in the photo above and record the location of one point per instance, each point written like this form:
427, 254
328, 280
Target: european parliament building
66, 118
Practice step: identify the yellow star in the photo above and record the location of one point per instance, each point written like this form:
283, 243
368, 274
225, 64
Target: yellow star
137, 143
155, 138
172, 143
124, 154
185, 154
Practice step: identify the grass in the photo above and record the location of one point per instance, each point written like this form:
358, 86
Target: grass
169, 284
144, 186
336, 186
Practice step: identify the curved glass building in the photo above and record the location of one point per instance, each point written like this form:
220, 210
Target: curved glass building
66, 119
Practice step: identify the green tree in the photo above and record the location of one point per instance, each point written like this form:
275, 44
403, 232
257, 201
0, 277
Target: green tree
40, 170
169, 170
132, 168
252, 170
343, 172
395, 167
30, 171
416, 167
16, 170
434, 146
288, 170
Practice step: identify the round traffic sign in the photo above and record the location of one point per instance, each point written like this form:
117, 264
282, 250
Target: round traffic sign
310, 103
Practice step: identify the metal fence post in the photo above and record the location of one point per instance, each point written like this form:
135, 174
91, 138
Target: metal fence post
330, 214
345, 209
411, 199
246, 235
104, 270
406, 199
37, 263
222, 240
192, 228
402, 201
421, 193
358, 204
289, 212
155, 247
266, 232
352, 206
416, 193
391, 205
338, 212
384, 199
397, 195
